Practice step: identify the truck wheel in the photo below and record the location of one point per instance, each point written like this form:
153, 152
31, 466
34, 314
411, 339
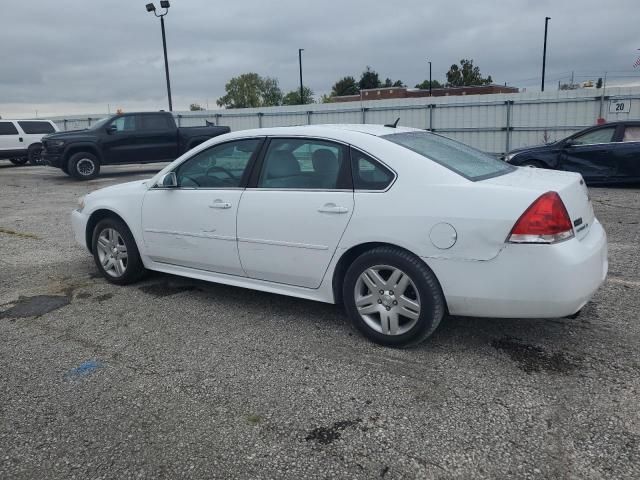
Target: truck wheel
18, 161
84, 166
34, 154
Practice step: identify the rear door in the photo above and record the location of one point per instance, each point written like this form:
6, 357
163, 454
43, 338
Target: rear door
34, 130
292, 218
627, 154
159, 137
9, 138
591, 154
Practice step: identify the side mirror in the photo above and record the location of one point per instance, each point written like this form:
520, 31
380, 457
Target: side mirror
169, 180
111, 129
570, 143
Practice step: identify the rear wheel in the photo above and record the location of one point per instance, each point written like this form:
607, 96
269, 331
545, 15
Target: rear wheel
392, 297
18, 161
84, 166
34, 154
115, 252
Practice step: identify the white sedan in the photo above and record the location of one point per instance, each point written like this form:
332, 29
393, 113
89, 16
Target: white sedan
401, 225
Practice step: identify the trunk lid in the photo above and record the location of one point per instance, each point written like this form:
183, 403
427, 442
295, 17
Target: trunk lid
570, 186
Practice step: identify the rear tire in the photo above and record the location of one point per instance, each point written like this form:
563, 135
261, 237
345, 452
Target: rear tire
34, 154
115, 252
392, 297
18, 161
84, 166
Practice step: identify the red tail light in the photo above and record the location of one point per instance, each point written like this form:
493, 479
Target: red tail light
545, 221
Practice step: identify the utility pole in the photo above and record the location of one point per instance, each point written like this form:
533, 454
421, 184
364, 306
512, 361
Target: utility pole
151, 8
300, 50
544, 49
430, 82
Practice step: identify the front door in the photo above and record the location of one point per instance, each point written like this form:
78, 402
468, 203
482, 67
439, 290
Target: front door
194, 225
291, 221
627, 155
590, 154
121, 144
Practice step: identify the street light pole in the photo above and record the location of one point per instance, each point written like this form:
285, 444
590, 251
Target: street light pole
544, 49
300, 50
152, 8
430, 79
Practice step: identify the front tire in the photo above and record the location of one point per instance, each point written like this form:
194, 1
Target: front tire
115, 252
34, 154
84, 166
18, 161
392, 297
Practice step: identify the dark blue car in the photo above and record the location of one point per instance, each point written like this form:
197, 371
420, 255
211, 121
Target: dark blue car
608, 153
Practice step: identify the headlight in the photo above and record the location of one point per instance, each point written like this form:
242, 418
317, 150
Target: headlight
55, 143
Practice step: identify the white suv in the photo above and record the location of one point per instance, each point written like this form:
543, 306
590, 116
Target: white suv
20, 140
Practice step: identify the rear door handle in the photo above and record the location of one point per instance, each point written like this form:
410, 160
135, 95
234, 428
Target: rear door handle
332, 208
220, 204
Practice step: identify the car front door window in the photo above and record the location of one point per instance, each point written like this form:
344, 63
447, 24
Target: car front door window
602, 135
221, 166
125, 124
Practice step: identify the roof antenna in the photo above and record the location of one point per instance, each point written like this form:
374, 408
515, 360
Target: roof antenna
394, 124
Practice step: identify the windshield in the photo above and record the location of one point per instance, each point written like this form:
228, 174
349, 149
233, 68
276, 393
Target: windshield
472, 164
100, 123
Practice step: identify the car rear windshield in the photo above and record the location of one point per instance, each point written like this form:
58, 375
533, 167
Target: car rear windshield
35, 127
472, 164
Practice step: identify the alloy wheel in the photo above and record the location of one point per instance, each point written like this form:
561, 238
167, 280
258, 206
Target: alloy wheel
112, 252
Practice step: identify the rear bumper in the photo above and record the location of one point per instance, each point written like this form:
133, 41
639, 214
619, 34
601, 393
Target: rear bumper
79, 227
527, 281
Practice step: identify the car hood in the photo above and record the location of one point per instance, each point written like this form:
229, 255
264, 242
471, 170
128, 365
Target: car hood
119, 189
533, 148
70, 135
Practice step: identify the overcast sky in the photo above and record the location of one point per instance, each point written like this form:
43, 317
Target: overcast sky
79, 56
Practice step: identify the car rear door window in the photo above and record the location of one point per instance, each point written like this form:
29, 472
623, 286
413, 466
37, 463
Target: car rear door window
300, 163
221, 166
368, 174
35, 127
155, 122
602, 135
8, 128
631, 134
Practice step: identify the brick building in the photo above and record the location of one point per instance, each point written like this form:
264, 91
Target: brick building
384, 93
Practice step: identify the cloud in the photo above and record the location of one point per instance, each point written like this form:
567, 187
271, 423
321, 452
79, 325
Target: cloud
82, 55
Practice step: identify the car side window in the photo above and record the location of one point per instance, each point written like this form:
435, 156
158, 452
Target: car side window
125, 124
303, 163
155, 122
35, 127
221, 166
8, 128
602, 135
631, 134
369, 174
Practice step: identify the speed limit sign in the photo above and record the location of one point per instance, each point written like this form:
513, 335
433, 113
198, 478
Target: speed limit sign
620, 106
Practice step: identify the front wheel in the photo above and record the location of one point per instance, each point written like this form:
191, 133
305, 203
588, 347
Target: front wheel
392, 297
115, 252
34, 154
84, 166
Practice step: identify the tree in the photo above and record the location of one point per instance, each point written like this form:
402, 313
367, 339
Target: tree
326, 98
599, 83
345, 86
251, 90
390, 83
369, 79
466, 74
293, 97
195, 107
425, 85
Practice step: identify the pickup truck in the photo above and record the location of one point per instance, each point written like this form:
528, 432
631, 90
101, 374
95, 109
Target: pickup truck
122, 139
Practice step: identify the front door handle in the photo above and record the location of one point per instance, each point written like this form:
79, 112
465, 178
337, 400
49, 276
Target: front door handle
332, 208
220, 204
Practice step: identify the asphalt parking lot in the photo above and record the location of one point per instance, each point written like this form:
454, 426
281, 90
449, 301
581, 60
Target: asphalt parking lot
173, 378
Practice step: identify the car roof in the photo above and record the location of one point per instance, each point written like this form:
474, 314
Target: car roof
327, 129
